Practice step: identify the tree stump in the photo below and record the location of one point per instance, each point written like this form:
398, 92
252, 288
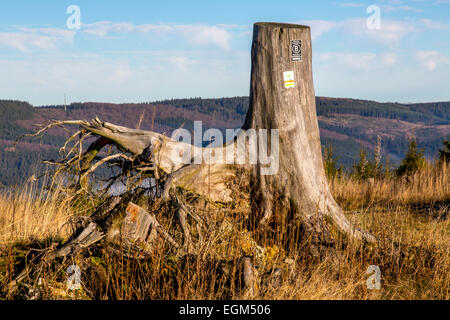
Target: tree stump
282, 102
282, 97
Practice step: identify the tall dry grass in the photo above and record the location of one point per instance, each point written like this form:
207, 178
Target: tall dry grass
428, 186
409, 217
31, 212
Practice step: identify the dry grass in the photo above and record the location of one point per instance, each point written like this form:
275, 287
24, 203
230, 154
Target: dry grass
31, 213
410, 219
429, 186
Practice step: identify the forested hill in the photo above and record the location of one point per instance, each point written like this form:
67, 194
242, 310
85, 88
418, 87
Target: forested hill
346, 124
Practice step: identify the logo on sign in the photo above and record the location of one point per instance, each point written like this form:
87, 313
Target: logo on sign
296, 50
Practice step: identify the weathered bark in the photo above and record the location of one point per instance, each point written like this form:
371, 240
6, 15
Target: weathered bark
138, 228
155, 152
301, 179
90, 235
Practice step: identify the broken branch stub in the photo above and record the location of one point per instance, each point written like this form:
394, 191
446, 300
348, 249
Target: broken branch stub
139, 227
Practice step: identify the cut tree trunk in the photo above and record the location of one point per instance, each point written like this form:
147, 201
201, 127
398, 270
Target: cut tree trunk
280, 101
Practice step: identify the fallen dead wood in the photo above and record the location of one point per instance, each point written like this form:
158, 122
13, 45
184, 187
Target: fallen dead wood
90, 235
137, 232
142, 227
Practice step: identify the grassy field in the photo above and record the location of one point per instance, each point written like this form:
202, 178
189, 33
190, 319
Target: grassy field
409, 217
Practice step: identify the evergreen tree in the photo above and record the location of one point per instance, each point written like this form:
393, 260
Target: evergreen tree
364, 168
413, 160
444, 154
331, 167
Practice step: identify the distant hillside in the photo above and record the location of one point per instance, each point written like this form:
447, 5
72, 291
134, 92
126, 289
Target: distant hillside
345, 124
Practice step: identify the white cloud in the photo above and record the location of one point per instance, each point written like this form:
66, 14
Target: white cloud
351, 5
390, 8
150, 75
358, 61
121, 72
367, 76
155, 28
319, 27
43, 39
437, 25
135, 77
431, 59
389, 59
197, 34
102, 28
180, 62
205, 35
390, 34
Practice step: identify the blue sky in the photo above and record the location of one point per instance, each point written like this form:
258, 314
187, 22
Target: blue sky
135, 51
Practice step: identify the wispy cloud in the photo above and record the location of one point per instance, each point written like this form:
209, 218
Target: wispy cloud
157, 75
431, 59
437, 25
319, 27
103, 28
390, 34
359, 61
27, 39
197, 34
391, 8
389, 59
205, 35
351, 5
423, 76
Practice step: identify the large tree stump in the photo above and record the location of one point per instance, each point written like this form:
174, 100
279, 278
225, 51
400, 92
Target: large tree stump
280, 51
282, 99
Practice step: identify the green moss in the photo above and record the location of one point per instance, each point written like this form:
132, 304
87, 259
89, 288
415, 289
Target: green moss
98, 261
